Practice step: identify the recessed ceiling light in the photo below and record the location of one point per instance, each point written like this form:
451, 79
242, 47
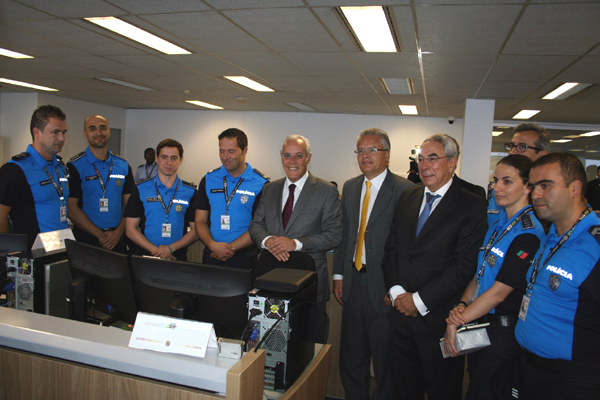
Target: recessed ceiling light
300, 106
139, 35
12, 54
588, 134
503, 127
249, 83
592, 151
571, 137
371, 28
408, 110
561, 141
526, 114
203, 104
126, 84
397, 85
566, 90
29, 85
497, 133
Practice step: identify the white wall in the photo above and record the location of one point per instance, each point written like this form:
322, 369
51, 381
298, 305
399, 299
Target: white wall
333, 138
15, 116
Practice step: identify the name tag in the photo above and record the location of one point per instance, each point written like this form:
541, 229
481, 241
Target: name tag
152, 199
217, 190
91, 178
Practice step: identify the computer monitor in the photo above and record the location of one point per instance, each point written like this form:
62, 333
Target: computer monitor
106, 278
13, 243
200, 292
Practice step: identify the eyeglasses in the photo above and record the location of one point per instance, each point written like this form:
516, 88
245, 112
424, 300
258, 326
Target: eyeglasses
370, 150
431, 160
297, 156
521, 147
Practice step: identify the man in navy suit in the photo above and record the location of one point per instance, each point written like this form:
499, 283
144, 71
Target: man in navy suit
357, 277
430, 256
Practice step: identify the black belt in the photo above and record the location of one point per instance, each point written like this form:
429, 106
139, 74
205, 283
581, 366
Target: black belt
561, 366
500, 320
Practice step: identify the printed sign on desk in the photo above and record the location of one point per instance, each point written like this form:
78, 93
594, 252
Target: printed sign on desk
172, 335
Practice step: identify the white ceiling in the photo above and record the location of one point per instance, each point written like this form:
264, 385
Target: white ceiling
513, 51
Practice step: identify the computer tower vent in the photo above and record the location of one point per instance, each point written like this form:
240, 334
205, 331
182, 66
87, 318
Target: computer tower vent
274, 308
276, 341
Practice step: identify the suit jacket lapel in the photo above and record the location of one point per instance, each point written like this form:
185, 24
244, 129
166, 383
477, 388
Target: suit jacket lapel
413, 211
278, 203
446, 205
383, 196
354, 204
302, 200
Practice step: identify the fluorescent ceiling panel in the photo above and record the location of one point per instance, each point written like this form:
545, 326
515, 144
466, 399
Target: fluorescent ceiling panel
203, 104
408, 110
126, 84
29, 85
589, 134
139, 35
249, 83
397, 85
371, 28
526, 114
561, 141
12, 54
300, 106
566, 90
497, 133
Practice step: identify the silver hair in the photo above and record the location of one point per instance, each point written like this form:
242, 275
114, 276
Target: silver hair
296, 137
448, 142
383, 137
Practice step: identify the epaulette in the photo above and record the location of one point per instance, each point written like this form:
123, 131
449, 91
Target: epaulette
213, 170
188, 184
140, 166
595, 232
263, 175
21, 156
77, 157
527, 221
145, 180
118, 156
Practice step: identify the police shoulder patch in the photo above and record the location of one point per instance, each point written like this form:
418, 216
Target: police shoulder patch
188, 184
145, 180
20, 156
527, 222
595, 232
121, 157
263, 175
77, 157
141, 165
213, 170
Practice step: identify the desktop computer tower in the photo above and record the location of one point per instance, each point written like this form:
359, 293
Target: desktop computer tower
284, 331
24, 281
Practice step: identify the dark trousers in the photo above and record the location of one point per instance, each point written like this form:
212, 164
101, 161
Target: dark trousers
365, 334
243, 258
483, 363
544, 379
418, 369
84, 237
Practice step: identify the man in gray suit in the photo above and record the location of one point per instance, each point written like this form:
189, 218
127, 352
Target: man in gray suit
368, 203
299, 213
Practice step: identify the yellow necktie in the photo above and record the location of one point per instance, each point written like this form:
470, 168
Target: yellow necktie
363, 226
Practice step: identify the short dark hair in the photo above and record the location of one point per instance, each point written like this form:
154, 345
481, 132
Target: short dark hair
519, 162
571, 169
42, 115
238, 134
543, 141
147, 150
170, 143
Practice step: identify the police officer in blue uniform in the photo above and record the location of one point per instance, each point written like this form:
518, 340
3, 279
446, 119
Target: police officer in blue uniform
530, 140
495, 293
226, 200
101, 183
559, 318
34, 184
160, 210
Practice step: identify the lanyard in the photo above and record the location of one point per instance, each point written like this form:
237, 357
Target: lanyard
228, 199
553, 251
59, 188
493, 240
148, 174
162, 203
100, 177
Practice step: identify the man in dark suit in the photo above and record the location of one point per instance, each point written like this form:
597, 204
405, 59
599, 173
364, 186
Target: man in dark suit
430, 256
300, 213
358, 280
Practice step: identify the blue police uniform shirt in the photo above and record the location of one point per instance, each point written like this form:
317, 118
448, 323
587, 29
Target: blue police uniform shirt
144, 203
494, 211
85, 186
563, 317
509, 258
211, 197
27, 188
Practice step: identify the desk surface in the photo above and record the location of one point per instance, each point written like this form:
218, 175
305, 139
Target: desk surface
108, 348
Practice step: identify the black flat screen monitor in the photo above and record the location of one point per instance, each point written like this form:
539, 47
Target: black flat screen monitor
108, 277
13, 243
200, 292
